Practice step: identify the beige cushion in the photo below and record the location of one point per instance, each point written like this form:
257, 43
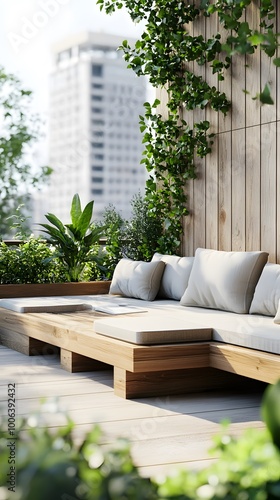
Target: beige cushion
267, 293
153, 329
224, 280
175, 275
137, 279
44, 304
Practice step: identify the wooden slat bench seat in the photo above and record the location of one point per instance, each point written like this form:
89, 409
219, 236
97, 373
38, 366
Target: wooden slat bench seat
139, 370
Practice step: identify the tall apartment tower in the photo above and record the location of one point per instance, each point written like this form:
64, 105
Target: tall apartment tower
95, 141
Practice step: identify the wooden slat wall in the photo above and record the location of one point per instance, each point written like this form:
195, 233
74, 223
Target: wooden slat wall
234, 203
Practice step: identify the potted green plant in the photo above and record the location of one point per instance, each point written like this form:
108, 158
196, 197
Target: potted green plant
76, 243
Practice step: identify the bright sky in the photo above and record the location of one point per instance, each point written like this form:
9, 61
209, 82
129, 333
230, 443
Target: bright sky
28, 28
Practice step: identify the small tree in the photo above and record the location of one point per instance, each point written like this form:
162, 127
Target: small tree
18, 130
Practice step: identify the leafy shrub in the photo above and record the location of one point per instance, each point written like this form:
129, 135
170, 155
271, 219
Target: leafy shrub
49, 465
136, 238
72, 253
30, 262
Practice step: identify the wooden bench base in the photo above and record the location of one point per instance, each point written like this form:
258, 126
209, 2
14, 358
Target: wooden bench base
138, 370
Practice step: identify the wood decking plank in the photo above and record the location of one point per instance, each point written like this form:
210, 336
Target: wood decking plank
165, 432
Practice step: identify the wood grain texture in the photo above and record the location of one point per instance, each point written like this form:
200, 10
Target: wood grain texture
73, 362
225, 193
54, 289
166, 433
234, 203
253, 74
248, 362
238, 174
164, 383
268, 189
138, 370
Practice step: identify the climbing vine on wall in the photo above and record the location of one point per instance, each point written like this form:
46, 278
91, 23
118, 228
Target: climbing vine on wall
169, 53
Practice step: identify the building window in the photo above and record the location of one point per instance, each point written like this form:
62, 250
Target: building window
97, 70
97, 98
96, 110
97, 168
98, 122
97, 86
97, 145
97, 191
97, 180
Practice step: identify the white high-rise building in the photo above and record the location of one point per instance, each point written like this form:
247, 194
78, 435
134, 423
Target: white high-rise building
95, 141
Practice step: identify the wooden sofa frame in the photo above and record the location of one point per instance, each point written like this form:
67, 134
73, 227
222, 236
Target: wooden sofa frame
138, 370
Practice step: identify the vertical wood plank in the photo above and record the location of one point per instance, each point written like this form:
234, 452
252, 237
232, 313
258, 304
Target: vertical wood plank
268, 76
268, 189
199, 184
238, 77
212, 200
253, 72
199, 205
225, 177
253, 188
238, 190
188, 234
211, 163
225, 86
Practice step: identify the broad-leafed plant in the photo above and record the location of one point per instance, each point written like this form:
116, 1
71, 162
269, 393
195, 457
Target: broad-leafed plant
77, 243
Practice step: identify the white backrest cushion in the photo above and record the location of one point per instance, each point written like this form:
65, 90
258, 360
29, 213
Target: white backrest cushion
137, 279
175, 276
224, 280
277, 315
267, 292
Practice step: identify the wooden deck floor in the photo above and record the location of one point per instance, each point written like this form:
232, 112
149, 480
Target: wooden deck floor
165, 432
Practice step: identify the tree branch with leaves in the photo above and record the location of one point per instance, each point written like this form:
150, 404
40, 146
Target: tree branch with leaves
19, 130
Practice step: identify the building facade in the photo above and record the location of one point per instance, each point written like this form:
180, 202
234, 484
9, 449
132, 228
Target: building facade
95, 143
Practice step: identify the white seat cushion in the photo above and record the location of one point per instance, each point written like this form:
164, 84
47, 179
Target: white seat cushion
252, 331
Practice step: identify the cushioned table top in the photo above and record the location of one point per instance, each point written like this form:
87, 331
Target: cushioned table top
151, 329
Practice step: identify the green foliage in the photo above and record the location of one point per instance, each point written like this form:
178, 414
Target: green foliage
76, 244
19, 130
271, 411
30, 262
50, 464
169, 53
136, 238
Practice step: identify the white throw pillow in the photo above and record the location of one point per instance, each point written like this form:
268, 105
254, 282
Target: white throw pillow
224, 280
267, 293
175, 275
137, 279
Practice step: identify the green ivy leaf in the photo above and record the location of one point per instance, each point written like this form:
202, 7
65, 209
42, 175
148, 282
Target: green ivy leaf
265, 95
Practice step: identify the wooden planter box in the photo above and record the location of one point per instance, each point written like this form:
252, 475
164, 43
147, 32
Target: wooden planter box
54, 289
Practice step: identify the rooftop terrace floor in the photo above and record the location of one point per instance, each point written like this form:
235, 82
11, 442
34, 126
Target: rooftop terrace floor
165, 432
